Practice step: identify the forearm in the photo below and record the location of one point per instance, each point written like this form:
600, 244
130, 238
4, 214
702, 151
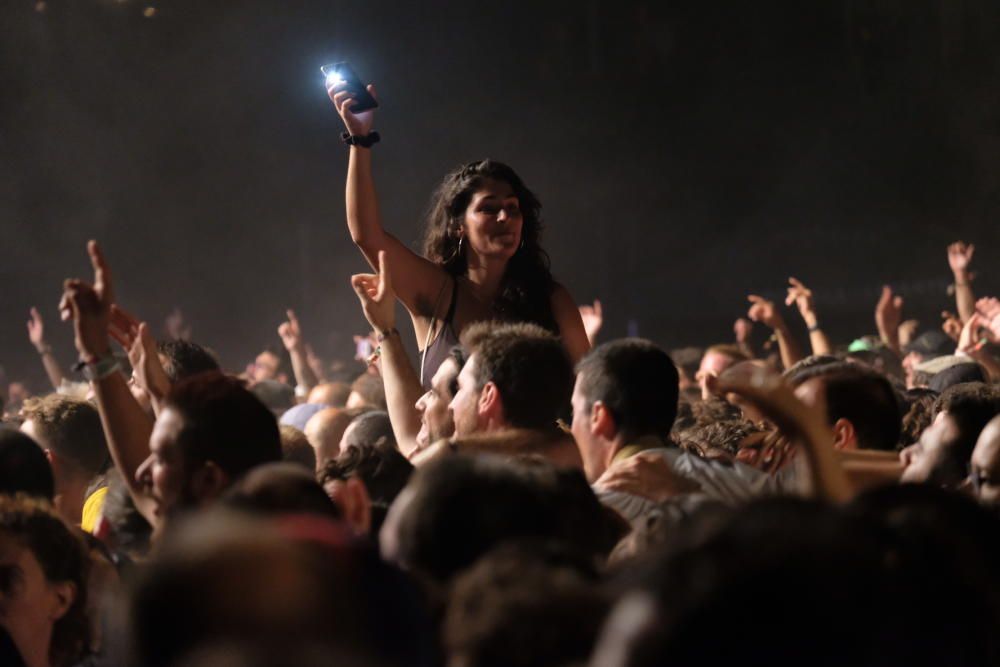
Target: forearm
889, 336
363, 219
402, 390
52, 368
787, 346
127, 429
818, 341
965, 299
827, 477
304, 375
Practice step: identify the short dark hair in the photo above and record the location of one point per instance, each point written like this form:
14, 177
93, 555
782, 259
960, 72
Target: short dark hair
224, 423
280, 488
379, 466
368, 428
971, 405
184, 359
863, 397
72, 429
23, 466
529, 367
636, 381
370, 388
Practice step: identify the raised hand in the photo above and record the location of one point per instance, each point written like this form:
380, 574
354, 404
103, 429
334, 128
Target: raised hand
36, 330
177, 327
802, 297
888, 316
764, 311
147, 369
960, 256
989, 311
291, 332
374, 291
970, 340
742, 328
593, 319
908, 331
89, 306
357, 124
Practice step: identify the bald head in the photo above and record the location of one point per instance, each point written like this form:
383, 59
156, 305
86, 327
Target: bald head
330, 393
325, 429
985, 464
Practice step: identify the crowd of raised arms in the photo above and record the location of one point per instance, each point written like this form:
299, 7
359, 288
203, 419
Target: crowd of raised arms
517, 493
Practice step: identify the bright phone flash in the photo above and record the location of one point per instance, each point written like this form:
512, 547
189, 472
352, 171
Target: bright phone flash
333, 78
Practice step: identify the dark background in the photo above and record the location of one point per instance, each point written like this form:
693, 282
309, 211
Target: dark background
687, 153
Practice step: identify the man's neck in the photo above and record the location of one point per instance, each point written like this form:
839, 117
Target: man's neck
70, 496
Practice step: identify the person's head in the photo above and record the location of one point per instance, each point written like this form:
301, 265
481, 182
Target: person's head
436, 420
941, 456
716, 359
295, 448
43, 598
266, 365
325, 430
860, 404
277, 396
984, 466
523, 604
483, 212
274, 489
367, 429
517, 376
333, 394
182, 359
367, 391
70, 432
625, 390
928, 345
363, 481
23, 466
212, 430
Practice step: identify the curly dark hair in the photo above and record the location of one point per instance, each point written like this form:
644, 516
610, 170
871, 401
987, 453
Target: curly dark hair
62, 555
527, 284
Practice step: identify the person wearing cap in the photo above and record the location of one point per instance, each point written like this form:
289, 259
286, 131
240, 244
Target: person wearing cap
928, 345
942, 372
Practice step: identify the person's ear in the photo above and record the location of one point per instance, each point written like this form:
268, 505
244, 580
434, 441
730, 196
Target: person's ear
209, 481
63, 595
602, 423
844, 435
490, 403
357, 506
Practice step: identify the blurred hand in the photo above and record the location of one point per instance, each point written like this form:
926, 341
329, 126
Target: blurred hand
742, 329
960, 256
970, 340
36, 330
989, 309
177, 327
907, 332
764, 311
951, 325
291, 332
357, 124
888, 310
647, 475
147, 370
89, 306
802, 297
593, 319
374, 291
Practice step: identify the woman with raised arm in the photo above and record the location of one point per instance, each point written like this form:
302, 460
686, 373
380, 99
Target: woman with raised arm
482, 259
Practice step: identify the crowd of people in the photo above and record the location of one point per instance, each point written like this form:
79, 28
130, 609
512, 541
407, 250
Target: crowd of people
516, 494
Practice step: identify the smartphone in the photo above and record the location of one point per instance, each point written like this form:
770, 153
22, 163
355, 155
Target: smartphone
342, 73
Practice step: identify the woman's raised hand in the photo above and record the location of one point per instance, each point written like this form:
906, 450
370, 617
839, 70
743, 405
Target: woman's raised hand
358, 124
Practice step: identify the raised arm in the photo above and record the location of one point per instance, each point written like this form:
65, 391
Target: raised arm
126, 426
36, 334
959, 260
765, 312
802, 297
402, 386
419, 279
291, 336
888, 316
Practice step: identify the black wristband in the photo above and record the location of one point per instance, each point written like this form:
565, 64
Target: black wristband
365, 141
382, 335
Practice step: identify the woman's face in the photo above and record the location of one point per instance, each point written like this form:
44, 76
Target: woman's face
29, 604
493, 221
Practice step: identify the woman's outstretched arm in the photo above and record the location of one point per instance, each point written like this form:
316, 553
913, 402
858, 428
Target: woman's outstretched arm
418, 280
